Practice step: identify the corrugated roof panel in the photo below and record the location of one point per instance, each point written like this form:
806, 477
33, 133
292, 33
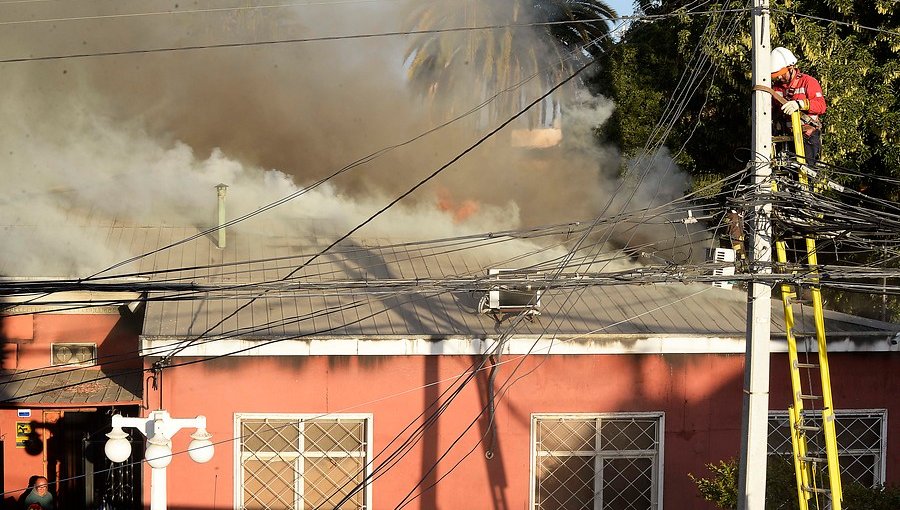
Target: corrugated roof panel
424, 303
619, 309
278, 306
720, 311
433, 313
255, 313
674, 316
700, 317
366, 312
178, 258
640, 311
71, 386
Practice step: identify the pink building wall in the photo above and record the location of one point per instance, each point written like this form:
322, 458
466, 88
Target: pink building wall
700, 395
26, 342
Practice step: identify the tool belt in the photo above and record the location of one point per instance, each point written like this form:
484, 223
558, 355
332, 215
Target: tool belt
809, 120
809, 123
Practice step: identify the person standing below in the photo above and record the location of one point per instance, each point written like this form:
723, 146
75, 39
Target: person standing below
804, 94
39, 498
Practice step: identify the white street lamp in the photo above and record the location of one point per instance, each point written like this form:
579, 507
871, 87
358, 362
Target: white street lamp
201, 448
158, 453
118, 448
159, 428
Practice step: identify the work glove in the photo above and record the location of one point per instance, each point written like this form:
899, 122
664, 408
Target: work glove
793, 106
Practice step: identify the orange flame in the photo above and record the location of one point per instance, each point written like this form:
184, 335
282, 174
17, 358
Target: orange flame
460, 211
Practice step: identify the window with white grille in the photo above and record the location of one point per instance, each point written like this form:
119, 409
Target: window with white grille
597, 461
860, 439
294, 462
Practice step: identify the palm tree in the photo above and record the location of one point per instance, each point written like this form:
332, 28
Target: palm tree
527, 49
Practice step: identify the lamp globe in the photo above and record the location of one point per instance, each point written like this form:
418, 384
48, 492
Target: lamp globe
201, 448
159, 453
117, 447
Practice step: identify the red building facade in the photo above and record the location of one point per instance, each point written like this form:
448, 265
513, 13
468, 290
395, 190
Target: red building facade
622, 427
66, 369
336, 389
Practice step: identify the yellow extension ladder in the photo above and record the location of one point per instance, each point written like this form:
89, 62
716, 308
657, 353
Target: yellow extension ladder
810, 426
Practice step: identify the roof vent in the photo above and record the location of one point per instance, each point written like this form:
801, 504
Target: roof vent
70, 354
221, 190
513, 297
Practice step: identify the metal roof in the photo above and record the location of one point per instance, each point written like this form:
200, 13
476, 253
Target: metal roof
70, 387
617, 310
178, 254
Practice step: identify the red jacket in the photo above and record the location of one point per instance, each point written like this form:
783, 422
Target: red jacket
804, 86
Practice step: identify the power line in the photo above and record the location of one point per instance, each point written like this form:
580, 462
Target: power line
335, 38
407, 499
844, 23
422, 182
280, 201
508, 330
390, 395
354, 164
178, 12
129, 282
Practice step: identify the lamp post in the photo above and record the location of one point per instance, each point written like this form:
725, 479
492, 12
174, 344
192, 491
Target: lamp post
159, 428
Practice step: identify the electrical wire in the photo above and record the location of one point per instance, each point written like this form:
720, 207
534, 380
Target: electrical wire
448, 450
327, 38
459, 437
836, 22
244, 8
389, 396
418, 185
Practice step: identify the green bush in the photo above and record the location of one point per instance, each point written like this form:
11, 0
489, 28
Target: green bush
720, 488
857, 496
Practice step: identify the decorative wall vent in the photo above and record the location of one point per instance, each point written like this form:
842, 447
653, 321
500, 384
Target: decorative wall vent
73, 354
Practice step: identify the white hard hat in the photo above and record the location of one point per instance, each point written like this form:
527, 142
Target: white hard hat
781, 59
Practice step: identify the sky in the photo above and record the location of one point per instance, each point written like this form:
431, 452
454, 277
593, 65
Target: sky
623, 7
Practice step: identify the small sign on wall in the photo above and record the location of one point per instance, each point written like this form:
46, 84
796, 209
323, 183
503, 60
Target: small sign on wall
24, 413
23, 430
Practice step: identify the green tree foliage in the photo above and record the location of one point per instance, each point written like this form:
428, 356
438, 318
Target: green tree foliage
720, 488
858, 68
645, 74
878, 498
851, 46
525, 60
860, 74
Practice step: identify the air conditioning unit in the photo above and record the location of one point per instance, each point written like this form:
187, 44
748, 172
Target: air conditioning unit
515, 297
722, 256
73, 354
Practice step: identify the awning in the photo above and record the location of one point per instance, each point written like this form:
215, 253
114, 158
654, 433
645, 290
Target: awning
70, 387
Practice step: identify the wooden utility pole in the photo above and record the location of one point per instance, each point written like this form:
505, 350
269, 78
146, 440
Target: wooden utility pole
754, 426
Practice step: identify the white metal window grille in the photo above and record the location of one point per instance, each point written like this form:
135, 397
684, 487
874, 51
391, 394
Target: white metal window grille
861, 443
597, 461
294, 462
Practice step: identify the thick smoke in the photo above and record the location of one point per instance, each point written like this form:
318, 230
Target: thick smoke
142, 138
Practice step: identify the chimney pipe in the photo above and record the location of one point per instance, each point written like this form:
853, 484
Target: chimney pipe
220, 192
